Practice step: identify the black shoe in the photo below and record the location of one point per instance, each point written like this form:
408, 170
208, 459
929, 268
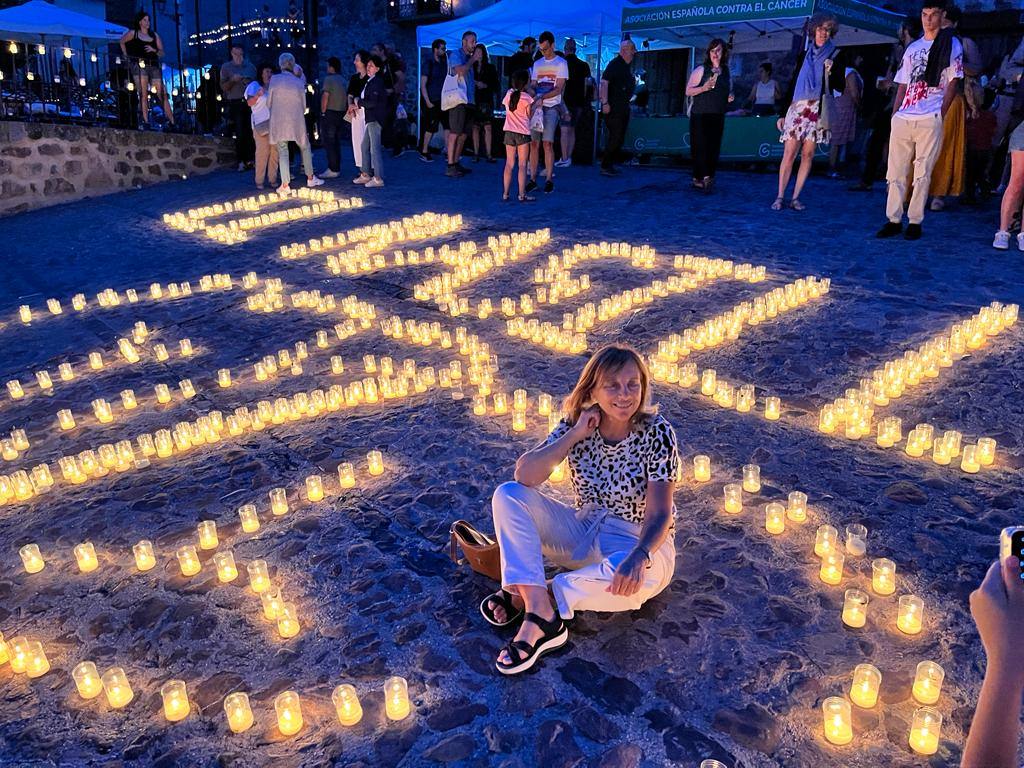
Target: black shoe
463, 170
913, 232
610, 172
549, 186
453, 171
530, 186
426, 157
891, 229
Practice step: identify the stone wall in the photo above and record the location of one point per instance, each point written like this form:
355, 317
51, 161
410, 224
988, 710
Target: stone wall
43, 164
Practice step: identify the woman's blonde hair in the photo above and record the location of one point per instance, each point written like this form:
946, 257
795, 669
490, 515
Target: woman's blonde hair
609, 360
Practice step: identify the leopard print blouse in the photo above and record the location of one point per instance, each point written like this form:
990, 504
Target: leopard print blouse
614, 476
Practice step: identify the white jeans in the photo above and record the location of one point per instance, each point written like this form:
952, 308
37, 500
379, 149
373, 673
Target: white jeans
530, 526
358, 129
912, 143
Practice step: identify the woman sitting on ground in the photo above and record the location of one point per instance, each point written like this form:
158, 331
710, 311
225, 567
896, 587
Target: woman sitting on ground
616, 540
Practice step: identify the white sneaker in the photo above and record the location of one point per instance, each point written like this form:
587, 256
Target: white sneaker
563, 163
314, 181
375, 183
284, 189
329, 174
1020, 241
362, 178
241, 167
1002, 241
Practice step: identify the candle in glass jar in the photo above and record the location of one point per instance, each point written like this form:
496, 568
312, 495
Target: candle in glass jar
226, 568
969, 461
883, 576
102, 410
5, 654
856, 540
838, 724
346, 704
375, 461
772, 408
95, 361
396, 698
259, 577
128, 399
701, 468
289, 713
346, 475
188, 390
144, 557
751, 478
518, 420
985, 452
796, 509
31, 558
855, 608
188, 560
272, 601
115, 684
733, 498
278, 501
287, 620
831, 571
708, 382
911, 613
175, 698
87, 680
500, 403
544, 404
924, 731
85, 556
163, 393
66, 372
207, 530
825, 540
866, 682
928, 682
36, 663
314, 488
775, 518
238, 712
185, 345
65, 419
250, 520
18, 648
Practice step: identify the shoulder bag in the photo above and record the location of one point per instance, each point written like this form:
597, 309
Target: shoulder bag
453, 92
478, 549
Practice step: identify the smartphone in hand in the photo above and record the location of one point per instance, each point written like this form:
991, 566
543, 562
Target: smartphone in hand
1011, 544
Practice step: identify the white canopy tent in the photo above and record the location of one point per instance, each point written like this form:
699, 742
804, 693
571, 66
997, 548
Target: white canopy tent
37, 20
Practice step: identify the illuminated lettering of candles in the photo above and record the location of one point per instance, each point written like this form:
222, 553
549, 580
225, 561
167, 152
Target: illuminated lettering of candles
85, 556
751, 478
175, 698
87, 680
733, 498
701, 468
928, 682
924, 731
115, 684
287, 620
911, 614
188, 560
207, 531
346, 704
838, 723
855, 608
866, 682
225, 564
238, 712
774, 518
31, 558
278, 501
396, 698
831, 571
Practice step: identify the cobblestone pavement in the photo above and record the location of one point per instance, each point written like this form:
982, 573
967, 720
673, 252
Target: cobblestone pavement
732, 661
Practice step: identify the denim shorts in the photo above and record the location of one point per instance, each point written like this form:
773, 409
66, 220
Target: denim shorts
552, 116
1017, 139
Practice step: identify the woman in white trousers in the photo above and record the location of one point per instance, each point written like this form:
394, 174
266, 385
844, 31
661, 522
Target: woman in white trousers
357, 117
616, 540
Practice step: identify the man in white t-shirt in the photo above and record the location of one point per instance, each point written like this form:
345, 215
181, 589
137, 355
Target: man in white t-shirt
922, 98
547, 81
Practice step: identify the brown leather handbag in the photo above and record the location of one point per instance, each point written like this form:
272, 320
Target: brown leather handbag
478, 549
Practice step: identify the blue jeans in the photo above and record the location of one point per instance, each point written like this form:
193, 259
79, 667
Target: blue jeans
373, 164
307, 160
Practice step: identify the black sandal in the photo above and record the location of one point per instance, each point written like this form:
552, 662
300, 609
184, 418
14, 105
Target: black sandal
523, 655
502, 599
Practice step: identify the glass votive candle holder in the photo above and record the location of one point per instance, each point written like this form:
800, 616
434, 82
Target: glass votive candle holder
924, 731
375, 462
733, 498
65, 419
272, 601
708, 382
115, 684
826, 540
346, 704
287, 620
289, 713
346, 475
701, 468
774, 518
36, 663
144, 558
796, 508
163, 393
224, 378
17, 652
95, 361
207, 531
250, 520
855, 608
928, 682
128, 399
31, 558
544, 404
751, 478
238, 712
940, 453
856, 540
278, 501
910, 615
712, 763
866, 682
85, 556
185, 345
259, 576
66, 372
969, 461
314, 488
883, 576
838, 723
188, 560
396, 698
175, 698
518, 420
772, 408
985, 452
226, 569
831, 571
87, 680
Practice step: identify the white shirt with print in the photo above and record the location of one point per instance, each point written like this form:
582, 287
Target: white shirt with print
920, 100
545, 73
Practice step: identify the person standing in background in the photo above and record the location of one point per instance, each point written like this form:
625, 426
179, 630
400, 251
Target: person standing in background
617, 83
844, 122
287, 101
374, 102
333, 103
948, 174
400, 125
547, 79
523, 58
765, 92
431, 83
386, 76
356, 116
266, 153
486, 76
710, 87
577, 96
460, 118
235, 76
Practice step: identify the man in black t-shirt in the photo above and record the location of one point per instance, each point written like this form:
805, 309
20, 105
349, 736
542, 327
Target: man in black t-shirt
431, 82
576, 97
617, 83
523, 58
